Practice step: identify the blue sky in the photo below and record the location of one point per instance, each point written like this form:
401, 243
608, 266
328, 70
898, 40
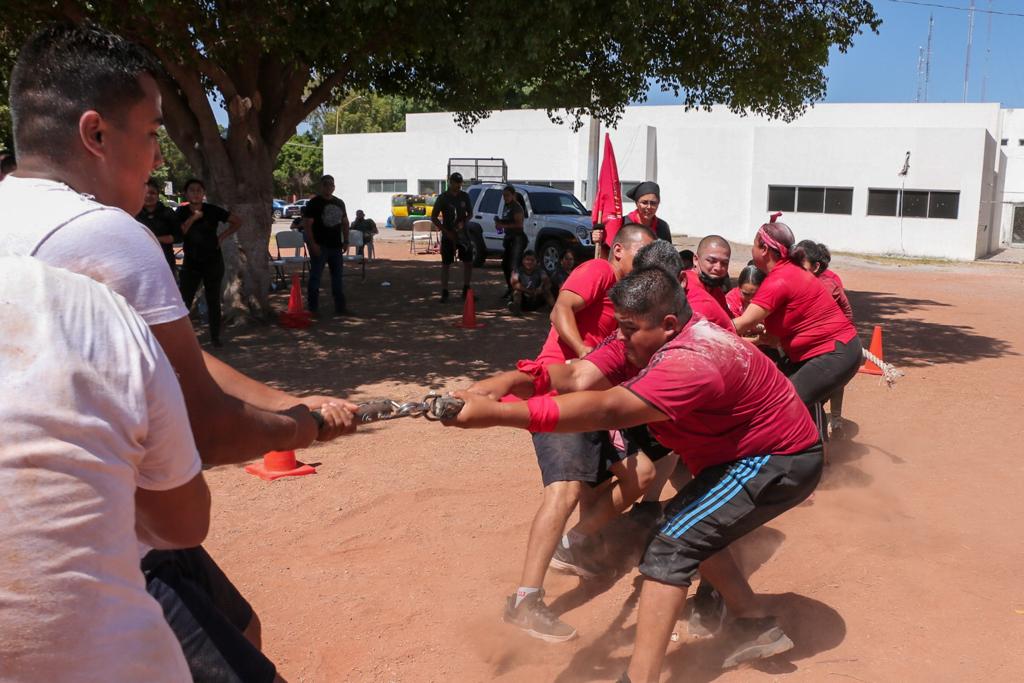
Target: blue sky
883, 67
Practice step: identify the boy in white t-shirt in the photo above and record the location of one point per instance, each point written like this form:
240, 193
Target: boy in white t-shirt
94, 448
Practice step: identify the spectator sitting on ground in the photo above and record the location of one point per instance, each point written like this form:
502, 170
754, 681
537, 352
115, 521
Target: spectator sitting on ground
531, 286
369, 229
566, 263
688, 256
96, 455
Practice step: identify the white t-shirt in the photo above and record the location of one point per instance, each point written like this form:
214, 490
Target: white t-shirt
90, 410
52, 222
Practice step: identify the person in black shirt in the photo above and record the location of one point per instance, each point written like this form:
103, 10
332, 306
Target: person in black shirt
204, 262
451, 211
162, 222
514, 243
325, 225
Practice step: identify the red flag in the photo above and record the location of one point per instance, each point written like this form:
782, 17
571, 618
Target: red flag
608, 200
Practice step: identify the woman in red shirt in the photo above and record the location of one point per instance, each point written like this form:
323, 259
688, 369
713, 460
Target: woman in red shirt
819, 341
647, 196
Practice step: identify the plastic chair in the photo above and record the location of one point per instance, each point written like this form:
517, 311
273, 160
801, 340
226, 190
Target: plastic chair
430, 230
290, 239
355, 239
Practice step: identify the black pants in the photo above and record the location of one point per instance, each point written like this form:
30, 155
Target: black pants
815, 379
211, 274
513, 245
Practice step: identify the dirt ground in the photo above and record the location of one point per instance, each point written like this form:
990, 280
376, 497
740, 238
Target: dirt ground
392, 563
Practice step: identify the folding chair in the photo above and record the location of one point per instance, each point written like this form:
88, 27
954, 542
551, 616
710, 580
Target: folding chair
355, 239
290, 239
430, 230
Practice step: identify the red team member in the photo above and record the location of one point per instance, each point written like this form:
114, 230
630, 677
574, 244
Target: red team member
712, 271
819, 341
709, 395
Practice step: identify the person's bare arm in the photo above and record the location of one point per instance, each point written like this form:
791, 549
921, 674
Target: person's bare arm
581, 376
227, 429
307, 234
345, 226
234, 225
563, 318
751, 317
584, 411
176, 518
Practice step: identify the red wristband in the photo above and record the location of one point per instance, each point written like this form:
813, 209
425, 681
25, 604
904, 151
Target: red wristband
539, 371
543, 414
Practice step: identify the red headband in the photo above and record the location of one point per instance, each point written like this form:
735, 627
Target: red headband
771, 241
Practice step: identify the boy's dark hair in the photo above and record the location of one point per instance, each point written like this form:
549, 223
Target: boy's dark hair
64, 71
826, 256
528, 252
154, 184
811, 251
650, 293
194, 181
687, 255
659, 254
751, 275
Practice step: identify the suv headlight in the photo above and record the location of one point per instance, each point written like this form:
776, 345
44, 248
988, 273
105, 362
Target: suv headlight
583, 235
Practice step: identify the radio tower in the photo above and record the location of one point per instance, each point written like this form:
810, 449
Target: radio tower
920, 73
970, 41
928, 58
988, 52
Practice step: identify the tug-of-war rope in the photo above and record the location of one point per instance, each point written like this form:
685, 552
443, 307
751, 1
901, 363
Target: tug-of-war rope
890, 373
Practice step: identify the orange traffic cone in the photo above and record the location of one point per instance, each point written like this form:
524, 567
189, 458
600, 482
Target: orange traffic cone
870, 367
469, 313
277, 464
295, 317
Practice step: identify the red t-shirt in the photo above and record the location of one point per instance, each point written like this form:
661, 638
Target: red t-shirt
835, 290
703, 303
831, 275
716, 293
596, 320
725, 400
802, 314
735, 303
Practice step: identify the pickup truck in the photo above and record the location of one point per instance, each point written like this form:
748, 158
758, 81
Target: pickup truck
555, 221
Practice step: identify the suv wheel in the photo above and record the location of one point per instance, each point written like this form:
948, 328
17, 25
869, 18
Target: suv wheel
548, 253
277, 214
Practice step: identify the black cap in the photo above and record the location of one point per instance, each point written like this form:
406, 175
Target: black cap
455, 177
646, 187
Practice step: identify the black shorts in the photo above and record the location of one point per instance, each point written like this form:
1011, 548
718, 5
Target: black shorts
586, 456
639, 438
723, 503
452, 248
815, 379
208, 616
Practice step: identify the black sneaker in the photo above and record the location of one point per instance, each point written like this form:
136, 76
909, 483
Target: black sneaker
580, 559
444, 295
755, 639
708, 612
534, 617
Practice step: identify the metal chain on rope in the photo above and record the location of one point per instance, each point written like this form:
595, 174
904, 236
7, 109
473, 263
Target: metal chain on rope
890, 373
433, 407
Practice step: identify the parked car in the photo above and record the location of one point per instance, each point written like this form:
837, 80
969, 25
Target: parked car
277, 208
555, 221
293, 210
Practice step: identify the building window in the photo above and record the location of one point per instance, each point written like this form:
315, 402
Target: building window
835, 200
781, 198
883, 202
914, 203
839, 200
627, 186
387, 186
432, 186
1020, 142
1003, 142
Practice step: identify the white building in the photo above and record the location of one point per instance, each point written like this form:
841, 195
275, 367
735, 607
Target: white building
834, 172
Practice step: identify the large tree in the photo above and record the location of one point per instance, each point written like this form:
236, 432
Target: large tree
272, 63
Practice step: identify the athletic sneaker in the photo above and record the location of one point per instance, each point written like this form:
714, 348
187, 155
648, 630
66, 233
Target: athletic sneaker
537, 619
708, 612
580, 559
755, 639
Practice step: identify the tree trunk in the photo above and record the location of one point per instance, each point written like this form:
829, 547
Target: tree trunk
247, 194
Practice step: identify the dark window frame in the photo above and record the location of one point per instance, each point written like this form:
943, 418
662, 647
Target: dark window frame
931, 202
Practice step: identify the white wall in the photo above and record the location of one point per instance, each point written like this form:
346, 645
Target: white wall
714, 167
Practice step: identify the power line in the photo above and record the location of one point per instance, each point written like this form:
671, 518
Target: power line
961, 9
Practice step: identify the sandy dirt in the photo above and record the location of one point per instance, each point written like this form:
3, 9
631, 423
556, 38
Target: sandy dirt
393, 561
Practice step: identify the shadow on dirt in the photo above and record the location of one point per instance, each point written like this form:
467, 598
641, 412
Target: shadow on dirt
337, 355
915, 341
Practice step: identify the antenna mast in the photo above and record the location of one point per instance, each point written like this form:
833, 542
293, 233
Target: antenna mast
970, 40
928, 56
988, 52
